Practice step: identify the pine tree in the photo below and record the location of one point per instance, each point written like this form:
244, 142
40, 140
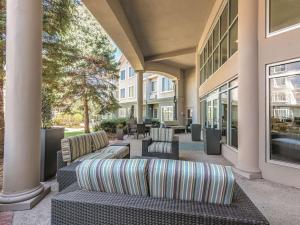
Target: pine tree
90, 78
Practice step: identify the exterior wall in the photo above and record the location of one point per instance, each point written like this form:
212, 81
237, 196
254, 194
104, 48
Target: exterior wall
228, 71
281, 47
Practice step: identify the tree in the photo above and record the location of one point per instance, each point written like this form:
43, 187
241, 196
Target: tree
56, 19
2, 64
90, 78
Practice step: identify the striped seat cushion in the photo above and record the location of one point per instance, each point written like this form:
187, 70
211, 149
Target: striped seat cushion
193, 181
100, 140
162, 134
163, 147
75, 147
98, 155
114, 176
119, 151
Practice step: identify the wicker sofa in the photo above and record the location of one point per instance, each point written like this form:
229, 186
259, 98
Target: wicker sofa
79, 148
178, 197
162, 143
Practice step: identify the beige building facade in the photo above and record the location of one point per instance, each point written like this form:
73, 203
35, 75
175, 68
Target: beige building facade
158, 94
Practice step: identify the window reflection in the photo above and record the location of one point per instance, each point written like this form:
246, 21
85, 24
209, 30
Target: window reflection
234, 117
285, 118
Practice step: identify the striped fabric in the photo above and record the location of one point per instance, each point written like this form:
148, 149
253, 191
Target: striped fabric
163, 147
100, 140
74, 147
119, 151
114, 176
98, 155
162, 134
194, 181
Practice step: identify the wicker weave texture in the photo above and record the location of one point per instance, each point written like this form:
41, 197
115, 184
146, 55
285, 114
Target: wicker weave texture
91, 208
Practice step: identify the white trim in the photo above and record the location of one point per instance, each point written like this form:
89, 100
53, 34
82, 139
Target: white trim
283, 30
268, 132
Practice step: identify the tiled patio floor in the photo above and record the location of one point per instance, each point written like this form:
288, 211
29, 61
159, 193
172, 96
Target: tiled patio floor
280, 204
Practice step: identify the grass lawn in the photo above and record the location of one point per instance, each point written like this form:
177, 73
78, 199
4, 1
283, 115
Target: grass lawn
73, 133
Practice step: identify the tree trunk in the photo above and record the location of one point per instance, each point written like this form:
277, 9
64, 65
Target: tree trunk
86, 115
1, 113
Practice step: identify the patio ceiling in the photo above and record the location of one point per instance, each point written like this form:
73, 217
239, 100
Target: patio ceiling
156, 31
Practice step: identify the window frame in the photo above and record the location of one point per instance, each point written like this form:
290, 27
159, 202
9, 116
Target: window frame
217, 22
124, 70
267, 110
162, 112
281, 31
121, 93
133, 91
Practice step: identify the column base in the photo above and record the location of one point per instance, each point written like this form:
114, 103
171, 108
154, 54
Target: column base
247, 174
22, 201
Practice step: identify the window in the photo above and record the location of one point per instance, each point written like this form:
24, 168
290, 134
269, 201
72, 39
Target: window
219, 110
224, 21
283, 14
167, 113
223, 114
167, 85
222, 42
153, 86
122, 93
233, 39
155, 113
234, 117
122, 75
224, 50
131, 72
284, 112
131, 92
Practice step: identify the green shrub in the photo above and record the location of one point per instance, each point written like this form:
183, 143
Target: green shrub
110, 125
68, 120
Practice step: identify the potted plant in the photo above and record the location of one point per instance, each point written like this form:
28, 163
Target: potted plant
50, 138
120, 131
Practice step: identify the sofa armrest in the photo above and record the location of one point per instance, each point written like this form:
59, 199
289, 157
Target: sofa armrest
60, 161
145, 144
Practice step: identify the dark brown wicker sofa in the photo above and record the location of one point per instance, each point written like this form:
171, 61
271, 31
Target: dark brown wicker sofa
77, 205
88, 146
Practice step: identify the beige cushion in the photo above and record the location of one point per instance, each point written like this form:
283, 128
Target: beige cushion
75, 147
100, 140
163, 147
162, 134
97, 155
119, 151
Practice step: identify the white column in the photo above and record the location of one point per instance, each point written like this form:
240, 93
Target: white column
139, 96
22, 188
180, 99
248, 154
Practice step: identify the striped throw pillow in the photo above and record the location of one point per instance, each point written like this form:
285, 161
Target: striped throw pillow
193, 181
75, 147
162, 134
100, 140
114, 176
162, 147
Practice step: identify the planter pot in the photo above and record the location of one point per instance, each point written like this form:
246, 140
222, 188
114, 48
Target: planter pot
120, 133
50, 144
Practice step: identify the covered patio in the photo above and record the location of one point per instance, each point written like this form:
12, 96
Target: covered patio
166, 37
278, 203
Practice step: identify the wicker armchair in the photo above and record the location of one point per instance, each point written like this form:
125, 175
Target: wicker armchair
169, 148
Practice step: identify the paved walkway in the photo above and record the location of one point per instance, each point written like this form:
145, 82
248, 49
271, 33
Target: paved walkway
279, 204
